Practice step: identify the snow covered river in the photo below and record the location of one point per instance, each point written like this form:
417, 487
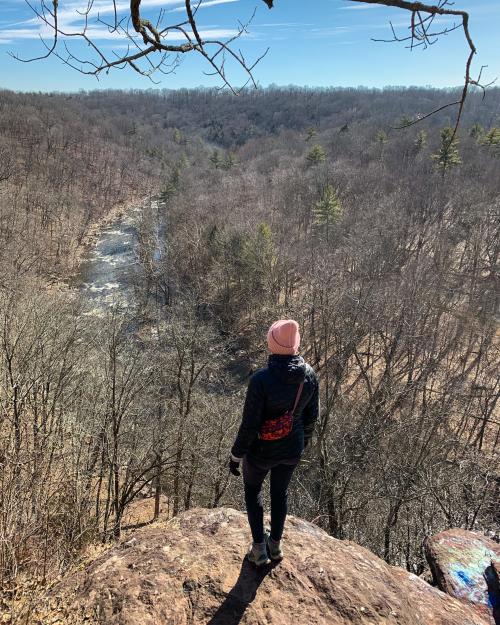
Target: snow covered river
109, 267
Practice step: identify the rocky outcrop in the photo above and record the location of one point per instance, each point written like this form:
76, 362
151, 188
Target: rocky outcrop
495, 563
191, 571
465, 565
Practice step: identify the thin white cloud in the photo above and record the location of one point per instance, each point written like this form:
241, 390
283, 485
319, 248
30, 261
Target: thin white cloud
75, 10
8, 35
72, 21
209, 33
203, 5
359, 7
98, 33
284, 24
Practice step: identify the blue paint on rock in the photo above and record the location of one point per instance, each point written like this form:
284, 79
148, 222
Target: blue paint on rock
465, 578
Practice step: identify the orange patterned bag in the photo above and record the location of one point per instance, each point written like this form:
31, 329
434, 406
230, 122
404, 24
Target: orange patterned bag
276, 429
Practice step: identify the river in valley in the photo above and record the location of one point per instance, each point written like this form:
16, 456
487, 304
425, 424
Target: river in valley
110, 272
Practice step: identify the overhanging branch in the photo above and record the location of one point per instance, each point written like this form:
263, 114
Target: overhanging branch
422, 33
151, 43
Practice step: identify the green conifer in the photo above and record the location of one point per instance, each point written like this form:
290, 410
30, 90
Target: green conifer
327, 211
381, 137
405, 121
311, 132
229, 162
421, 140
476, 131
216, 159
492, 139
171, 186
257, 259
448, 155
177, 136
316, 155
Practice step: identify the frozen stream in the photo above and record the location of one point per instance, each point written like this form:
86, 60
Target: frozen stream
109, 266
110, 272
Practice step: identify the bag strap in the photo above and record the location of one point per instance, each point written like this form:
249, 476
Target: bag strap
297, 398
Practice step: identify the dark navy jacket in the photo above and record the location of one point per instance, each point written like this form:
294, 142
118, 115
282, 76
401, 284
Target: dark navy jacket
271, 392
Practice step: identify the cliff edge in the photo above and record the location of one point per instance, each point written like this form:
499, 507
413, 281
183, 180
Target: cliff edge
191, 571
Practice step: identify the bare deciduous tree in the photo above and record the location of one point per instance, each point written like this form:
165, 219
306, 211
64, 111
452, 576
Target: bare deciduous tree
150, 41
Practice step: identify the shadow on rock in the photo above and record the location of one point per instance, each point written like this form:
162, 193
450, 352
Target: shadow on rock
242, 594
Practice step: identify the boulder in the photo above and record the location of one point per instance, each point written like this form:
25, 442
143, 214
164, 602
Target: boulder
191, 571
465, 565
495, 563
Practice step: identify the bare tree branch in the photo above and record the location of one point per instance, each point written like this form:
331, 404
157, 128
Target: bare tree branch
422, 34
146, 39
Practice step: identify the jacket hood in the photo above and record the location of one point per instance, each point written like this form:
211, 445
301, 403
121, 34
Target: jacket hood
288, 369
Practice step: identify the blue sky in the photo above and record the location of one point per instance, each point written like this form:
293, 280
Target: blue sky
315, 43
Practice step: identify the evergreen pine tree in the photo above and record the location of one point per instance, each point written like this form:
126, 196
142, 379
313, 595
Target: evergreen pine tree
448, 155
311, 132
177, 136
316, 155
171, 185
476, 131
421, 140
257, 259
381, 137
327, 211
229, 162
492, 139
215, 159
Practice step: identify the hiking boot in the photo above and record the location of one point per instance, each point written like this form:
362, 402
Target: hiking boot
258, 554
274, 548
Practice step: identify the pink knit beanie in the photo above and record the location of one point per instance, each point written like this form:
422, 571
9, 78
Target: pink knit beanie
283, 337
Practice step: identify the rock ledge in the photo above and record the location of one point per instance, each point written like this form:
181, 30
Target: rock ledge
191, 571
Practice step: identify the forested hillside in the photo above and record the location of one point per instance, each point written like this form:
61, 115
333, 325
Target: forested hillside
382, 243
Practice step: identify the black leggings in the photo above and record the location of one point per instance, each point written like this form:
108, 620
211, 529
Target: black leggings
254, 477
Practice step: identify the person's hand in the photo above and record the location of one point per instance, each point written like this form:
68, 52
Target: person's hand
234, 467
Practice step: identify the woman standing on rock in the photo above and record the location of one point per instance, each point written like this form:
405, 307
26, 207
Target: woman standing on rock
281, 408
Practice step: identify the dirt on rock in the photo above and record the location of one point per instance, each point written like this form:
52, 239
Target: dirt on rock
191, 571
